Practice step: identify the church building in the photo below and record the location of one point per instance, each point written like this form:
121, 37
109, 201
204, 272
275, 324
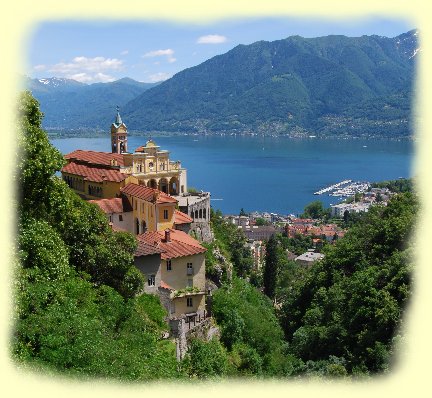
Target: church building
102, 175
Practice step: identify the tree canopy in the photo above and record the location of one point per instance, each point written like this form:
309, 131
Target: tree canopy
77, 309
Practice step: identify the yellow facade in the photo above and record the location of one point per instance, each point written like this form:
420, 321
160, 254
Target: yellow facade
149, 216
92, 190
178, 277
189, 293
154, 169
165, 216
181, 304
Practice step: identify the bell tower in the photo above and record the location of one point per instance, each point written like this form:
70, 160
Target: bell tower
118, 135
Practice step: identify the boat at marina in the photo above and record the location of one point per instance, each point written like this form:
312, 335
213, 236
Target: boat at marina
332, 187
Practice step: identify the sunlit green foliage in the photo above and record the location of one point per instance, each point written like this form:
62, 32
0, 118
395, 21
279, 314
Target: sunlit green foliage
350, 305
76, 309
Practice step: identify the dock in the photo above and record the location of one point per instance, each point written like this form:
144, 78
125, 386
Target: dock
332, 187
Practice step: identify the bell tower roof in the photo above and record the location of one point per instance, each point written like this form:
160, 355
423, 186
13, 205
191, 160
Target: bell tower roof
118, 120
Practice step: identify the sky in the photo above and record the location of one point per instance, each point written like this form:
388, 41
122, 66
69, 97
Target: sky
153, 51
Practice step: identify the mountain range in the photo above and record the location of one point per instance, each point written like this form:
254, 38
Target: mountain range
332, 85
71, 105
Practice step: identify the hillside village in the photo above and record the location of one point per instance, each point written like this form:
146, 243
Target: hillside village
145, 193
143, 280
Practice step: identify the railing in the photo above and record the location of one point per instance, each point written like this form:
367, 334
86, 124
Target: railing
195, 318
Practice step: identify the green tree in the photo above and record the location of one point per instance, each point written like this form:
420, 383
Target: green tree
351, 303
271, 267
66, 317
206, 359
38, 160
260, 221
314, 210
242, 212
261, 329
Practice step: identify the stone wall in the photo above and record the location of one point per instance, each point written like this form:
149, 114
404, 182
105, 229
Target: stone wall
183, 332
202, 231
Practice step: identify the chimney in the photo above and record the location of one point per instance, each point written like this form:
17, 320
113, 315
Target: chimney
167, 235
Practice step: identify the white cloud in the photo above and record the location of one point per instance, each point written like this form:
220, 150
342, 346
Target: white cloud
87, 70
159, 77
88, 78
159, 53
168, 53
79, 64
211, 39
39, 67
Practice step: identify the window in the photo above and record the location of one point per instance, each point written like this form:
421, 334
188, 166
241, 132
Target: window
120, 217
190, 283
168, 262
189, 302
189, 269
151, 280
165, 215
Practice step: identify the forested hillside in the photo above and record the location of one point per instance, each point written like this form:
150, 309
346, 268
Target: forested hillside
69, 105
332, 85
342, 316
325, 86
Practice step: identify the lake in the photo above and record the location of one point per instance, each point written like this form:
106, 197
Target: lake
270, 174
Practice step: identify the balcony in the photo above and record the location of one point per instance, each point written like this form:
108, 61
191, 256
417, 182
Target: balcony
187, 291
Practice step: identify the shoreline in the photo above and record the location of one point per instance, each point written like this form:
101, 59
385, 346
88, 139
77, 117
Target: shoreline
104, 134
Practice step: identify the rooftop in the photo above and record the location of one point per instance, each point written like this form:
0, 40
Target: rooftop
310, 256
181, 218
146, 249
94, 174
147, 194
95, 158
179, 245
114, 205
190, 199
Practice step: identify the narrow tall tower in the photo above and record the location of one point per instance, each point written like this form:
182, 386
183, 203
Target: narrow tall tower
118, 135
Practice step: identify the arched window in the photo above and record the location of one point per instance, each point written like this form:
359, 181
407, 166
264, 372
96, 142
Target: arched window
196, 213
143, 227
205, 213
137, 226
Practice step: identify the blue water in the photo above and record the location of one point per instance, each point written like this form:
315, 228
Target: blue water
271, 174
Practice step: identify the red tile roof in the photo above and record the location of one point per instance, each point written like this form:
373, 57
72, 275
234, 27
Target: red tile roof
166, 286
95, 158
181, 218
147, 194
146, 249
114, 205
94, 174
180, 244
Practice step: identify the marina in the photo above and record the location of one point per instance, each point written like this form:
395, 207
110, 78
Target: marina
345, 188
332, 187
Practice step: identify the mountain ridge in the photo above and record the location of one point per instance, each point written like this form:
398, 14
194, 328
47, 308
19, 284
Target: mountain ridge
329, 85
